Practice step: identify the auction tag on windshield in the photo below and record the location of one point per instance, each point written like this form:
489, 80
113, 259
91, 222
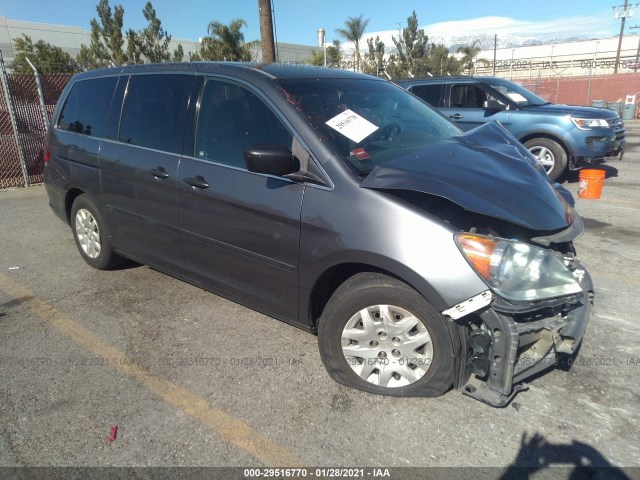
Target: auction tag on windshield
516, 97
352, 125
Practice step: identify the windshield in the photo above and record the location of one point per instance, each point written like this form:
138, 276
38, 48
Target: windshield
516, 93
368, 121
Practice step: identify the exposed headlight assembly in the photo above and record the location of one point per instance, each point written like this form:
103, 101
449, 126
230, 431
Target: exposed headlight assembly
517, 271
589, 123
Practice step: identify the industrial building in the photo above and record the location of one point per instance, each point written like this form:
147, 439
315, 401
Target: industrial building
70, 39
567, 59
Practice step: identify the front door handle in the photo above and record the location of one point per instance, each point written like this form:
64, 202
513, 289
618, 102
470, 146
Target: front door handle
456, 116
159, 172
196, 182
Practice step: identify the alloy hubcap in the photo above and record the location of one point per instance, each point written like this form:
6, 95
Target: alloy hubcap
387, 346
545, 157
88, 233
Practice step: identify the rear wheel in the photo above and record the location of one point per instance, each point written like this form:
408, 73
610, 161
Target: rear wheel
91, 235
550, 154
379, 335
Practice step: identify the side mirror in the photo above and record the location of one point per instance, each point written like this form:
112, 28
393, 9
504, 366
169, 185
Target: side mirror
493, 105
270, 158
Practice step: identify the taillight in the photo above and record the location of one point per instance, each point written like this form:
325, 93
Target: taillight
46, 153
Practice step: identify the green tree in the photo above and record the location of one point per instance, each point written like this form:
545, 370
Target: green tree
154, 40
316, 58
225, 42
45, 57
441, 62
415, 56
334, 55
134, 48
469, 52
353, 31
374, 57
195, 57
412, 47
178, 54
106, 45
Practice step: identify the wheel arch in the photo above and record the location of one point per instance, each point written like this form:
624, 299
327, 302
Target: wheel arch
550, 136
70, 197
331, 278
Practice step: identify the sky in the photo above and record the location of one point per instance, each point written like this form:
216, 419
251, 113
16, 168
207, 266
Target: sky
297, 21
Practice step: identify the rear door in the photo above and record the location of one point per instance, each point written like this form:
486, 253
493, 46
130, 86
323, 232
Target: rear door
241, 230
139, 166
432, 93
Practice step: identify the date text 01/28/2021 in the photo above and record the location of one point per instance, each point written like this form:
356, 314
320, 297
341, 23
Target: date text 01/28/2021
317, 472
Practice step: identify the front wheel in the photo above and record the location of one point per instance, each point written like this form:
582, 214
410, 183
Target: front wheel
90, 234
550, 154
379, 335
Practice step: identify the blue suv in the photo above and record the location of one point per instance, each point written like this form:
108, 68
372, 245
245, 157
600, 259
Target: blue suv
561, 136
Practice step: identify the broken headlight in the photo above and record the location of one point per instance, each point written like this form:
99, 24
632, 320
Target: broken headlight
517, 271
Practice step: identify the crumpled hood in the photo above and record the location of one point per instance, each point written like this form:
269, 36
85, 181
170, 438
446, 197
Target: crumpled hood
485, 170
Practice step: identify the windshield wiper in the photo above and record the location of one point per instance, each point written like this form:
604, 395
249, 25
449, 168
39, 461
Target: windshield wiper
535, 104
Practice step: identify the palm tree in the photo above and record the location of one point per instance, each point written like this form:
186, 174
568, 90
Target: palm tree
226, 42
353, 32
469, 52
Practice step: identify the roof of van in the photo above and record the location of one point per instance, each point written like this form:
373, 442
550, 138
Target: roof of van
245, 69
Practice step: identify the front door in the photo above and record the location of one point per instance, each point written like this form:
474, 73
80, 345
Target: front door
465, 106
240, 230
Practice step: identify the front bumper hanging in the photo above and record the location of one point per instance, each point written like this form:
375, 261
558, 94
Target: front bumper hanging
501, 345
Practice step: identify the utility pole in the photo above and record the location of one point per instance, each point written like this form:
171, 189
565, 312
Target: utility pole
622, 14
495, 48
635, 66
266, 32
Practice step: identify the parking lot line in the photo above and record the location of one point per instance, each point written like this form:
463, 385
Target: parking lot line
226, 426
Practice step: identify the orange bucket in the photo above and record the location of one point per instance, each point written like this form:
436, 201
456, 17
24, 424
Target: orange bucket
591, 184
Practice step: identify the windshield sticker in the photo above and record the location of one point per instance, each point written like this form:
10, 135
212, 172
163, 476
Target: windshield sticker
361, 154
352, 125
516, 97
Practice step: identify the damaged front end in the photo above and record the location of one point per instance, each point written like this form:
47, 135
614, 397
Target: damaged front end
507, 336
515, 227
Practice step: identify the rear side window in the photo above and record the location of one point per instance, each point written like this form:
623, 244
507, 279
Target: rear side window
467, 96
85, 109
431, 94
153, 109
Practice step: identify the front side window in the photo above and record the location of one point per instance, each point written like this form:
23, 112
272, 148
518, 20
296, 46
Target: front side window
369, 122
231, 119
85, 108
153, 108
516, 93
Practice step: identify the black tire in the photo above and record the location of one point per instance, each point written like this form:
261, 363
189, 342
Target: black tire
370, 289
559, 155
106, 258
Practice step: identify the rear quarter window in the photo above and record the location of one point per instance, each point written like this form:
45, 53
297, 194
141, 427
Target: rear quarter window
432, 94
86, 106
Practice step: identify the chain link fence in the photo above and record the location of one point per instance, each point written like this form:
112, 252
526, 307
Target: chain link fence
22, 125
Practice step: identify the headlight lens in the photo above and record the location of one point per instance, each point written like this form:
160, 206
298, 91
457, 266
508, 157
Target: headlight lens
589, 123
517, 271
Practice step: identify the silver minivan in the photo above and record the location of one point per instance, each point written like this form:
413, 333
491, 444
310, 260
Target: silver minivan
424, 258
